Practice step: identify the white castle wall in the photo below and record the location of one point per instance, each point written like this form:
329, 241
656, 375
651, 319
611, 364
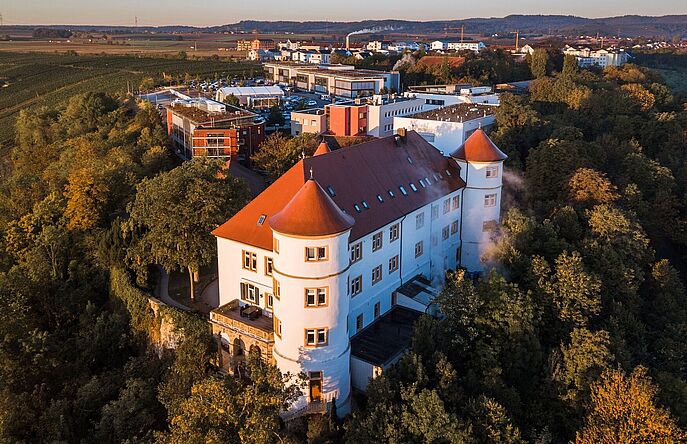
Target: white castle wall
475, 238
295, 275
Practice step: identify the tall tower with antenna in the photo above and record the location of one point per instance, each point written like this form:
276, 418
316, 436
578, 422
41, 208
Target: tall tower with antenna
135, 21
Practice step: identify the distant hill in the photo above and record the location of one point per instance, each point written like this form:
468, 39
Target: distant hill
628, 26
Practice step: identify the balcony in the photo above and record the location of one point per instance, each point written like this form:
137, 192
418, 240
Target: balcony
248, 320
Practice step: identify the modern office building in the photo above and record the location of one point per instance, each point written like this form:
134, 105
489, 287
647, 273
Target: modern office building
337, 80
200, 127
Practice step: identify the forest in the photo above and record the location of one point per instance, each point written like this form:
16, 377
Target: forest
574, 335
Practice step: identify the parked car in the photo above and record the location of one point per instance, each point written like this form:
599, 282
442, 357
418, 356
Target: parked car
311, 103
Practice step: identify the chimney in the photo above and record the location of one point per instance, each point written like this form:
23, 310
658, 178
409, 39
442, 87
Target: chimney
348, 42
400, 136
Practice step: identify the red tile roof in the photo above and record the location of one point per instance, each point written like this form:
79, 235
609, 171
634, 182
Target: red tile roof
479, 148
311, 212
355, 176
323, 148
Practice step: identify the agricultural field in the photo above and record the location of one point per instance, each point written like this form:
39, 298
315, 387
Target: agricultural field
35, 79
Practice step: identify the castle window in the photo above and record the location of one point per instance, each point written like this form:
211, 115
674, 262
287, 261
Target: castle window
316, 337
490, 200
419, 248
276, 288
270, 300
403, 190
316, 297
444, 232
377, 241
413, 187
356, 285
269, 263
250, 293
277, 327
376, 274
250, 261
315, 254
377, 310
359, 321
454, 227
393, 264
489, 225
491, 172
435, 211
447, 206
356, 252
456, 202
419, 221
394, 232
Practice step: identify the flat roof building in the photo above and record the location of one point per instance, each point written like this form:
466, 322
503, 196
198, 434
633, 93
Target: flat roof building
450, 126
337, 80
201, 127
252, 96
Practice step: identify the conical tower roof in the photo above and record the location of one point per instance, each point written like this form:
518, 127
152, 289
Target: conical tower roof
479, 148
311, 212
322, 148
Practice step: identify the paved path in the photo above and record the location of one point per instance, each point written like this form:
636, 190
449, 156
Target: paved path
210, 294
162, 291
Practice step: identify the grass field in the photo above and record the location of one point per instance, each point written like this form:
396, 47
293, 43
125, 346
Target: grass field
35, 79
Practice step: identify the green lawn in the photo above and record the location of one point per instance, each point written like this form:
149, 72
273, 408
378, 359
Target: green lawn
35, 79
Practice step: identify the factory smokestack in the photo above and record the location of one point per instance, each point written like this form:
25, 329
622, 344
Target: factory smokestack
348, 42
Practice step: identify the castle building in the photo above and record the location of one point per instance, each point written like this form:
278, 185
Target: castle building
325, 272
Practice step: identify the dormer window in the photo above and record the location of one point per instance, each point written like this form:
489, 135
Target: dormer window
330, 190
403, 190
413, 187
261, 219
316, 254
365, 205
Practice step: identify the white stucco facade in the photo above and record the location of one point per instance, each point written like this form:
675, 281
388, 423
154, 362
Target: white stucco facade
359, 277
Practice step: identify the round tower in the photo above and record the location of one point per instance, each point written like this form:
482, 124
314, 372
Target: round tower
311, 302
481, 164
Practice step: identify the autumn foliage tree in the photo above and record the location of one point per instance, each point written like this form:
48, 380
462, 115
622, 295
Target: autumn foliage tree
176, 212
624, 410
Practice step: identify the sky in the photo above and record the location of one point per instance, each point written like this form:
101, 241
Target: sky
220, 12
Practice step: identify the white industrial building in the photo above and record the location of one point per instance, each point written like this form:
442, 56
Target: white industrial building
252, 96
450, 126
325, 272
